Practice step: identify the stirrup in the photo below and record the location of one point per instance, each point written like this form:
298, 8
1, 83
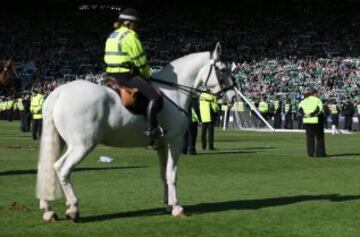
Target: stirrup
155, 133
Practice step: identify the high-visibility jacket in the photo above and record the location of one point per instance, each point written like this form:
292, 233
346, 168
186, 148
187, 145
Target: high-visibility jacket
333, 109
312, 106
208, 105
123, 51
10, 104
20, 105
239, 106
276, 105
2, 106
224, 108
36, 104
263, 107
358, 109
194, 117
287, 108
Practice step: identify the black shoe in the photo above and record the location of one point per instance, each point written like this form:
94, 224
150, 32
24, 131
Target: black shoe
192, 152
204, 147
154, 134
212, 148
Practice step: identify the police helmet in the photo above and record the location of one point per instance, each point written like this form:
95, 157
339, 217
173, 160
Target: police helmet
129, 14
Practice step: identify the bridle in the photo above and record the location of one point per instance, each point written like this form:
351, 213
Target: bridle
221, 75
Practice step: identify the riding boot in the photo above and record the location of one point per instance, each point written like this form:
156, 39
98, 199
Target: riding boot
153, 131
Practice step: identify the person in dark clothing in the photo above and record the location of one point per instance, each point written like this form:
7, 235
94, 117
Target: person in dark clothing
348, 111
288, 114
277, 112
189, 140
326, 112
26, 117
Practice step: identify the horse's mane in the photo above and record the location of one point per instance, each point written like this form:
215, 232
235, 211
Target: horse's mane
185, 61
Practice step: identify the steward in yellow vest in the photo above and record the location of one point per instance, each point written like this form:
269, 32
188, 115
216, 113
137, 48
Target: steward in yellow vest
311, 109
36, 104
127, 65
264, 108
208, 109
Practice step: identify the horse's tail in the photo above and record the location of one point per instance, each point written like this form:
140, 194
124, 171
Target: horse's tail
47, 186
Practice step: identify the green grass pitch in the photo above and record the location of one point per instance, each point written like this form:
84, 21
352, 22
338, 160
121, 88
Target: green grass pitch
253, 184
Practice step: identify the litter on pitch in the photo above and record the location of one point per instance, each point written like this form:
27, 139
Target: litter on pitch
105, 159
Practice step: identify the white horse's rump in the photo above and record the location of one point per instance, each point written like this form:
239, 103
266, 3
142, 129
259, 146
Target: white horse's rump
83, 115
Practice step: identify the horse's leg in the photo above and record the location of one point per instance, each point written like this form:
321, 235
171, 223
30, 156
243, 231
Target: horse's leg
49, 214
63, 167
171, 175
162, 154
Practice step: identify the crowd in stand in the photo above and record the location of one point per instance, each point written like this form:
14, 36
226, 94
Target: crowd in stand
271, 51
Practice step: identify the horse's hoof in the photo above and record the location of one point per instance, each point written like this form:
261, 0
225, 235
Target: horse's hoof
50, 216
74, 216
178, 211
181, 215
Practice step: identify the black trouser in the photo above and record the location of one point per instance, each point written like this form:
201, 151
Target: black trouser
147, 90
189, 140
315, 131
335, 120
27, 121
209, 129
348, 122
36, 128
22, 121
288, 121
277, 120
325, 121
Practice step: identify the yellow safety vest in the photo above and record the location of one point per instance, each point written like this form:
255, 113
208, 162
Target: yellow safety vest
123, 51
36, 104
239, 106
207, 102
276, 104
263, 107
333, 109
309, 105
287, 108
20, 104
194, 117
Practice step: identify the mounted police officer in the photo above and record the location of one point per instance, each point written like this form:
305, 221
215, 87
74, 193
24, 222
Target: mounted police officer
126, 62
311, 109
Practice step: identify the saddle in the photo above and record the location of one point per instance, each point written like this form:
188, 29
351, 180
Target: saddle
131, 98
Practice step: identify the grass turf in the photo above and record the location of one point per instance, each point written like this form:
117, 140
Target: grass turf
254, 184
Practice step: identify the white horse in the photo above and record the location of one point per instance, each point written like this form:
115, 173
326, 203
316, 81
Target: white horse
82, 115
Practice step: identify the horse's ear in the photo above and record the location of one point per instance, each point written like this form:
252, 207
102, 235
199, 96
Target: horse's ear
217, 52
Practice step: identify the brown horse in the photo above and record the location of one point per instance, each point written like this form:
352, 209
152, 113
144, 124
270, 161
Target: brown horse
9, 83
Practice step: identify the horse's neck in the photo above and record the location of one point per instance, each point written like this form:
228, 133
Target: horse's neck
184, 72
